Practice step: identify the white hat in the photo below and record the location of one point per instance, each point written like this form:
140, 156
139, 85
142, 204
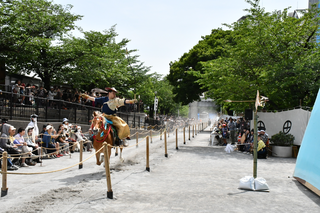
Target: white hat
64, 120
78, 127
262, 130
12, 128
49, 127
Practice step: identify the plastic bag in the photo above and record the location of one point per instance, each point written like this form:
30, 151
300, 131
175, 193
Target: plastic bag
260, 184
247, 183
229, 148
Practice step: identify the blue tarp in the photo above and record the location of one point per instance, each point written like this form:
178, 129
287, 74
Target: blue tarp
308, 161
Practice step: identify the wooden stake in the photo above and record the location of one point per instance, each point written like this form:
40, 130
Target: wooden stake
147, 153
165, 144
107, 168
184, 135
81, 153
137, 139
177, 139
4, 189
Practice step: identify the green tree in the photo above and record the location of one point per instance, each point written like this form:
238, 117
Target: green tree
273, 53
185, 87
27, 27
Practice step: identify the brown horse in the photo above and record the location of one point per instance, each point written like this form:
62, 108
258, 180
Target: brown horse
102, 132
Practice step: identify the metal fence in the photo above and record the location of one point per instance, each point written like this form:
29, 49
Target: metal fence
11, 107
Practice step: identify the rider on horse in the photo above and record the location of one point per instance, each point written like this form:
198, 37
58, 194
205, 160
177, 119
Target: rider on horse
109, 106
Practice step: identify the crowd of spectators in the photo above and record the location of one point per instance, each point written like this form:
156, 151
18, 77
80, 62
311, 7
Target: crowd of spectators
237, 131
32, 95
24, 146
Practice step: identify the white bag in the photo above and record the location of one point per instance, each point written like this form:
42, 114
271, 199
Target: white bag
247, 183
260, 184
229, 148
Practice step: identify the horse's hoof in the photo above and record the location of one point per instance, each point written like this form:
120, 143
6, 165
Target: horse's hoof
122, 160
116, 154
99, 163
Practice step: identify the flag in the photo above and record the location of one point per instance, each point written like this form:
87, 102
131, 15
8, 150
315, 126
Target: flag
258, 101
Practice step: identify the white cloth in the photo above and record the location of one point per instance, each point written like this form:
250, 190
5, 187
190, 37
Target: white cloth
35, 127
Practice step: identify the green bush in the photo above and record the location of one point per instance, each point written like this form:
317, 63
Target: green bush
282, 139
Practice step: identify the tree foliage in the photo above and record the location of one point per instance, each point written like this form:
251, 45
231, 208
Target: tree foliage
186, 89
273, 53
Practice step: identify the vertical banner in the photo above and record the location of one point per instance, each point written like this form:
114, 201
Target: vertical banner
155, 106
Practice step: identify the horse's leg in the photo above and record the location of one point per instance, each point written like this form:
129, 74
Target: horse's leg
116, 154
98, 158
121, 157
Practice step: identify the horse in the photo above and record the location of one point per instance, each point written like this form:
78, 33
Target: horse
102, 132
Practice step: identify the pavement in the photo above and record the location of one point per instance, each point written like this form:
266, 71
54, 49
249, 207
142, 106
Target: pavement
197, 177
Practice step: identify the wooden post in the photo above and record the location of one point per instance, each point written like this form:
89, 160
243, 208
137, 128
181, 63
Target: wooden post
193, 131
151, 136
4, 189
107, 168
165, 144
184, 135
147, 154
160, 133
41, 152
81, 153
137, 139
189, 132
177, 139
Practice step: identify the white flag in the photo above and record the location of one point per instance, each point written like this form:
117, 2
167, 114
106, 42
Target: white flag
258, 101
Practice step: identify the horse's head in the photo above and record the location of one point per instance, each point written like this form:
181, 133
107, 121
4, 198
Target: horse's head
98, 122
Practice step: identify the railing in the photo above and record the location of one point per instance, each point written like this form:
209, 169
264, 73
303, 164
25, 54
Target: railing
54, 110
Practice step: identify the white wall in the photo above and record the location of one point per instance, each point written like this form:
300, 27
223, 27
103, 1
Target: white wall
274, 122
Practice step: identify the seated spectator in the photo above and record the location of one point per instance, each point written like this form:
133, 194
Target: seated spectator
30, 140
264, 136
49, 142
43, 131
6, 142
262, 151
23, 146
61, 139
10, 166
67, 131
80, 137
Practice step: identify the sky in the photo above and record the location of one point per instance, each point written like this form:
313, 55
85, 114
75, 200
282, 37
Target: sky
162, 31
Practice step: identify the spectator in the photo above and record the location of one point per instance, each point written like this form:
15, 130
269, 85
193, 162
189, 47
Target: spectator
264, 136
61, 139
80, 137
34, 123
16, 90
67, 131
232, 129
51, 95
262, 151
49, 142
30, 140
23, 146
6, 142
9, 162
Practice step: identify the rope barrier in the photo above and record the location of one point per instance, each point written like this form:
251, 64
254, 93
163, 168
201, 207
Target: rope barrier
47, 172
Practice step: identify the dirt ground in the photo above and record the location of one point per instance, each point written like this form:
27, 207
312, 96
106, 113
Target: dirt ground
195, 178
